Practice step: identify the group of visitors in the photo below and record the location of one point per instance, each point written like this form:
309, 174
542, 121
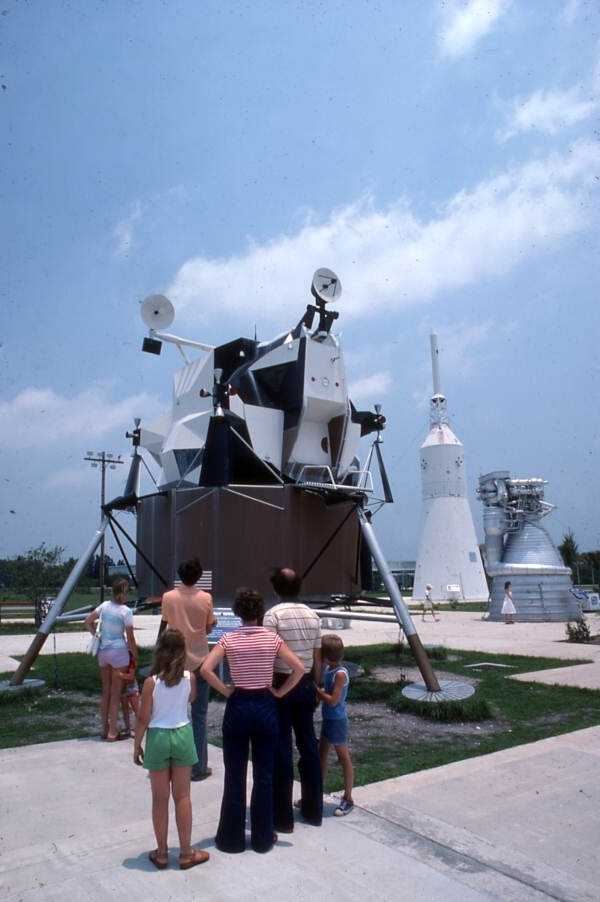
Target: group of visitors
280, 667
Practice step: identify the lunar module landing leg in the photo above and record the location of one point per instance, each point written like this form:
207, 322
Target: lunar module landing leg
58, 605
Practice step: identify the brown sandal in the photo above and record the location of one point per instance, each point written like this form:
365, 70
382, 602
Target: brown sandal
118, 738
159, 860
198, 856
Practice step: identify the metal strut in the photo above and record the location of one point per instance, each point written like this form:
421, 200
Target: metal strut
328, 542
400, 609
138, 549
122, 550
57, 607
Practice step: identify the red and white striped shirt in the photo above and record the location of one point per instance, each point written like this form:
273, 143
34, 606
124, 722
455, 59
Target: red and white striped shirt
251, 653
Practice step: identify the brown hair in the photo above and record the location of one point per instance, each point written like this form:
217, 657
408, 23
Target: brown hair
169, 657
286, 582
189, 572
249, 605
120, 587
332, 648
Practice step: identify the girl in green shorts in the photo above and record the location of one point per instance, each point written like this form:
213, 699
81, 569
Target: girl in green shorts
170, 749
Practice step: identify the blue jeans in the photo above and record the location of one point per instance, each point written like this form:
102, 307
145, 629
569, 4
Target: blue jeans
199, 709
296, 712
250, 721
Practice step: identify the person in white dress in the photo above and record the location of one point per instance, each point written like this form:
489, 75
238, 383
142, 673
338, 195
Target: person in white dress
508, 608
428, 607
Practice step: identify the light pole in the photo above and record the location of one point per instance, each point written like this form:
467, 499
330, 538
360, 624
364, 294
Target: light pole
103, 459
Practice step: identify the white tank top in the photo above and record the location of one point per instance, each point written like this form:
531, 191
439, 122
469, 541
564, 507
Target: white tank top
170, 703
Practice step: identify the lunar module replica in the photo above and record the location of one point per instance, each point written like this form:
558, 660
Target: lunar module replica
258, 459
259, 468
518, 549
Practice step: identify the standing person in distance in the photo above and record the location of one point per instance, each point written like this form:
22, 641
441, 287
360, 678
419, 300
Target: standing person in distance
170, 750
250, 721
508, 608
117, 643
300, 629
190, 610
428, 607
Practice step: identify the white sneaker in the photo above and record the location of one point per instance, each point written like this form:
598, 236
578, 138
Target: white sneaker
345, 807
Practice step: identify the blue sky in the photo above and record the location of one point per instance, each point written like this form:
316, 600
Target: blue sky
443, 158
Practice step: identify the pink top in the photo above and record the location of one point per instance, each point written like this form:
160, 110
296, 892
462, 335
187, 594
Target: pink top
189, 609
251, 653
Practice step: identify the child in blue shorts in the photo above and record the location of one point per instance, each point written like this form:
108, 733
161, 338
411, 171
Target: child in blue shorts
334, 729
170, 750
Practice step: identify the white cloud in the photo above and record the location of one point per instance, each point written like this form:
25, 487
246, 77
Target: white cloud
549, 111
371, 387
124, 231
41, 417
465, 22
387, 258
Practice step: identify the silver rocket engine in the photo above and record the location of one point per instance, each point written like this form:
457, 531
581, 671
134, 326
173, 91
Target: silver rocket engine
519, 550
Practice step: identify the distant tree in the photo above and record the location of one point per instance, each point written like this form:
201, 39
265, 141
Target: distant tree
569, 550
38, 571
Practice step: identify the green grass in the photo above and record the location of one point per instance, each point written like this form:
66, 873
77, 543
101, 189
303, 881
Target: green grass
522, 712
32, 717
525, 712
468, 711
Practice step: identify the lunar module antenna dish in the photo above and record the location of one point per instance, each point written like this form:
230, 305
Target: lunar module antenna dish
157, 311
326, 286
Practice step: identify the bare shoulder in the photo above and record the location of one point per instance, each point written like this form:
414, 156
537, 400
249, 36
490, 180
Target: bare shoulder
148, 687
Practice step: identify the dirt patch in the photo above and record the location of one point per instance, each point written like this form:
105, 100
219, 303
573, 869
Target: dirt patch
373, 723
413, 675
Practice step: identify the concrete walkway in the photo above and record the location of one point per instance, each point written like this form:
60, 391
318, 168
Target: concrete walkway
528, 813
516, 826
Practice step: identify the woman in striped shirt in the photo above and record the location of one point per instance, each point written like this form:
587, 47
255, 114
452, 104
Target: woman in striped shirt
250, 718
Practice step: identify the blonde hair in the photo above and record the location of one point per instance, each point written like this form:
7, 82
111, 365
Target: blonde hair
119, 587
169, 657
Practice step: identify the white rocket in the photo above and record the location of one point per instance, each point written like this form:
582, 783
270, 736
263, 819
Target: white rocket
449, 559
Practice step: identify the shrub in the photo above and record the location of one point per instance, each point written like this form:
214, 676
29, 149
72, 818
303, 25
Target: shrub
578, 630
471, 709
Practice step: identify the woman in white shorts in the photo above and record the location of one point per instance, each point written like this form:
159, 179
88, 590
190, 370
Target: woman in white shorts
116, 643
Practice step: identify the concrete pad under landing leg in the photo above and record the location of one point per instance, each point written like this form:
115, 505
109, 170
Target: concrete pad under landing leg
450, 691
